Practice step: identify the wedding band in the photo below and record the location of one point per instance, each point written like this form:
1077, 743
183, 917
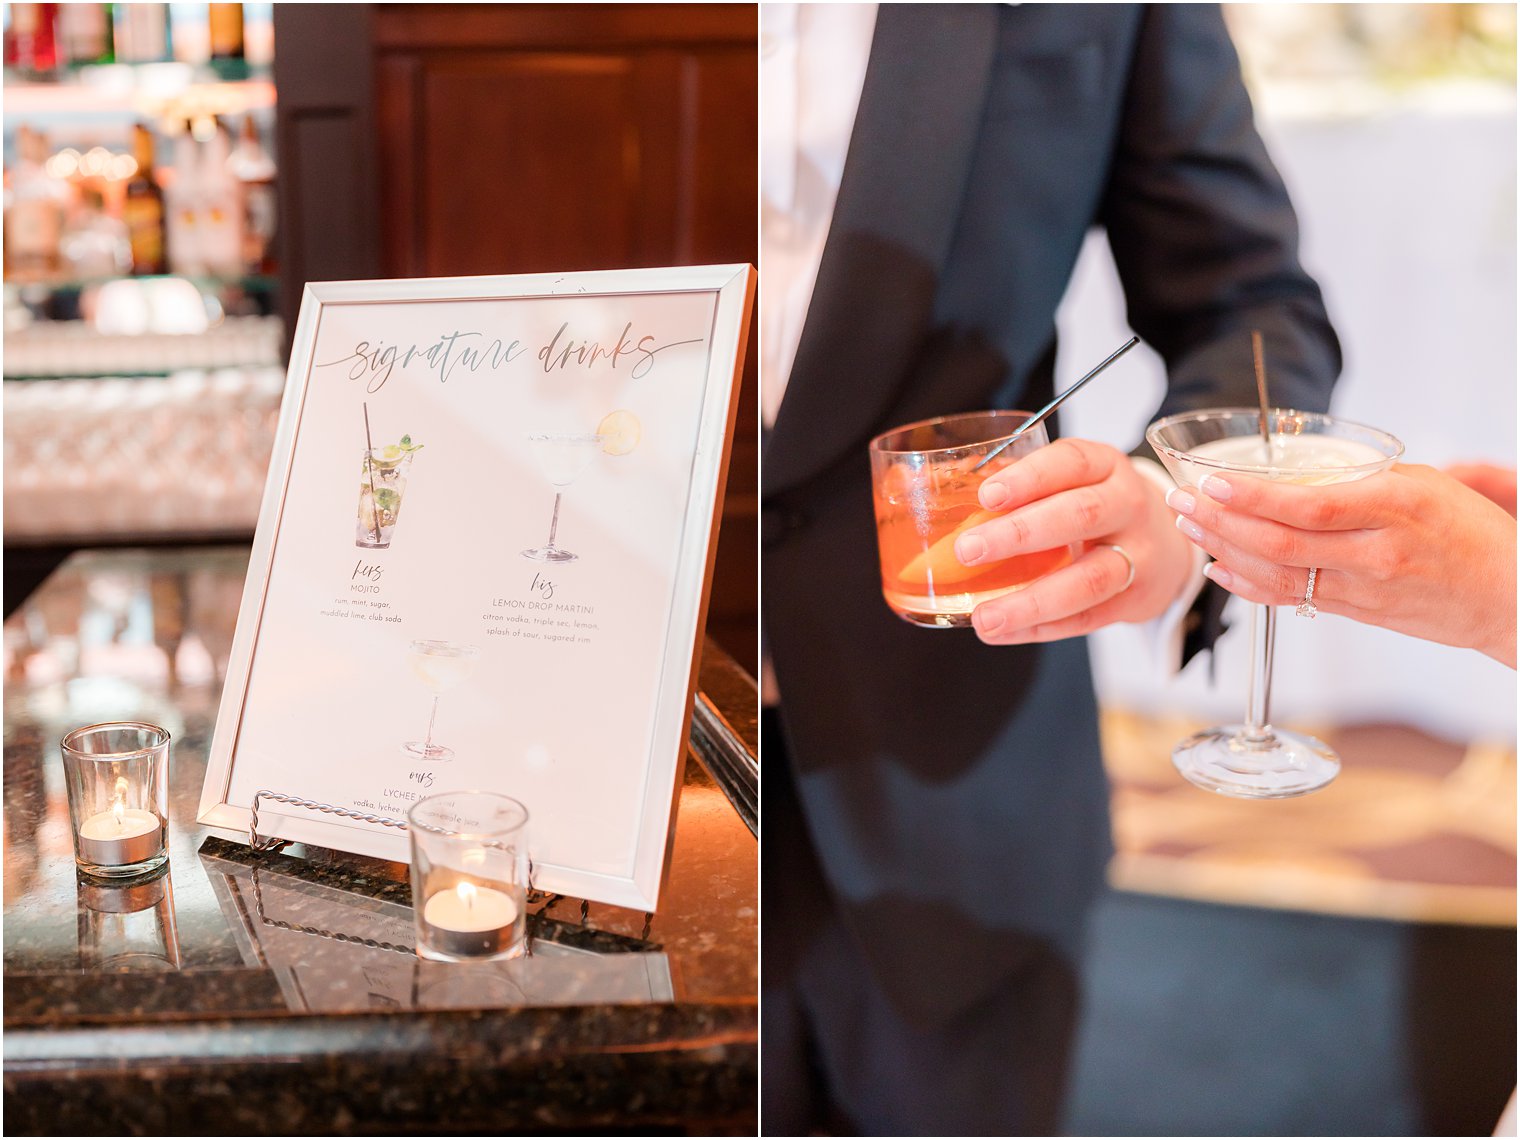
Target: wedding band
1307, 608
1122, 553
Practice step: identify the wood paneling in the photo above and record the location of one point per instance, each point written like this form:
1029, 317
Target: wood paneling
524, 138
325, 142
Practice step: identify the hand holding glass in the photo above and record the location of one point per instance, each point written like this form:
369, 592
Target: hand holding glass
925, 478
1254, 760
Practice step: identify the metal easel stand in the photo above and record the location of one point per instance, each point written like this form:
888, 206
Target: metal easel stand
273, 844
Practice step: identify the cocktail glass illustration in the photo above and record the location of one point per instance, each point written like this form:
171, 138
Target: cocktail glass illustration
925, 477
382, 483
1254, 760
563, 457
441, 666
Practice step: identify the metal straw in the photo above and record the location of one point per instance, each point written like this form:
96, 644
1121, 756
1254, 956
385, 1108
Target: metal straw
1041, 415
1258, 358
369, 466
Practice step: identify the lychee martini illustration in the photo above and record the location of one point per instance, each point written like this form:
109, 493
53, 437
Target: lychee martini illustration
563, 457
440, 666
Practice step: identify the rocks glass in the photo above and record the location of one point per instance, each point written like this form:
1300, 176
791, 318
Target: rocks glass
925, 477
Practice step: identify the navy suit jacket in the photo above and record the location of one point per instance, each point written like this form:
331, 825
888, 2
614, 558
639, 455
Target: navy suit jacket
953, 791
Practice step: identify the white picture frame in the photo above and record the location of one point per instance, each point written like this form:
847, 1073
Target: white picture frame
578, 707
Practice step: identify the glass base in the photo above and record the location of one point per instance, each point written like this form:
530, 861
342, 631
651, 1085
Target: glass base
1285, 764
371, 544
434, 954
933, 620
141, 869
549, 554
423, 751
944, 611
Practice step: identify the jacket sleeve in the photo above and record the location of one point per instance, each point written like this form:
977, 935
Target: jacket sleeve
1201, 228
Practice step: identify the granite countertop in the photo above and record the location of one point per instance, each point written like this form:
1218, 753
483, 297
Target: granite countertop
244, 993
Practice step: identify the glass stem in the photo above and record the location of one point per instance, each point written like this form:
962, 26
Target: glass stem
554, 522
1258, 728
427, 744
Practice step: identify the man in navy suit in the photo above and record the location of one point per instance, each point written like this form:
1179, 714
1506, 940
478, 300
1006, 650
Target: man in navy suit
935, 823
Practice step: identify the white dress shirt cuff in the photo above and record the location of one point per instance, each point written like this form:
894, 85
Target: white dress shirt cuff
1164, 634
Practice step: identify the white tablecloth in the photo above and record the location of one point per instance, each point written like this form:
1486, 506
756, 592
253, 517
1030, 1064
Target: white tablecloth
1408, 219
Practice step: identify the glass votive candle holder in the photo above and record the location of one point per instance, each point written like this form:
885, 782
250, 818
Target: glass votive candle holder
469, 875
117, 776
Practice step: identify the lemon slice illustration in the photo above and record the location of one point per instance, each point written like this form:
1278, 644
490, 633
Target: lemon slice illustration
620, 432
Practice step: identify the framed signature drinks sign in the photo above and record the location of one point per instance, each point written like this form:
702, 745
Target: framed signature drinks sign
482, 562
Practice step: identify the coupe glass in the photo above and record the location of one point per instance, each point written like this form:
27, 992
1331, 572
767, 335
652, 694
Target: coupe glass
1254, 760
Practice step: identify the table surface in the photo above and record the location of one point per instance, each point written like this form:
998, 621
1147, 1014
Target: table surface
180, 1005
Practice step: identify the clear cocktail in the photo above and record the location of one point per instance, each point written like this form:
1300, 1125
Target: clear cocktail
925, 478
1254, 760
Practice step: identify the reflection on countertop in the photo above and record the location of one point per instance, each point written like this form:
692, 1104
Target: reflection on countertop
178, 1004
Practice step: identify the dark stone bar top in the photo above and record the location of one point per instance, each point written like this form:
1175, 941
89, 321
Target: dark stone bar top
245, 993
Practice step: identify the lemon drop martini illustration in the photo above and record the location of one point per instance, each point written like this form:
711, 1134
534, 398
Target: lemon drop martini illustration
382, 483
563, 457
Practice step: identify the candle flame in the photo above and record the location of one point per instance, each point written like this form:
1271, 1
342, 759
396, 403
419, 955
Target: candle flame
467, 892
119, 804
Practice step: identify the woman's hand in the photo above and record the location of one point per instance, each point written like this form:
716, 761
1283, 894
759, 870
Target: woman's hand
1077, 491
1410, 549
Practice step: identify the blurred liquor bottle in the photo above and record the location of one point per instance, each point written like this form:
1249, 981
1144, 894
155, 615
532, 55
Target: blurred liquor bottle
185, 207
143, 209
31, 41
94, 244
228, 58
221, 230
34, 212
255, 171
142, 33
84, 34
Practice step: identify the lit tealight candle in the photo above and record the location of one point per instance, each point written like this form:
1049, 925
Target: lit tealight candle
470, 921
121, 836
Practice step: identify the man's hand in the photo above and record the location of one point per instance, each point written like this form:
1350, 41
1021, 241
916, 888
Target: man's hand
1078, 492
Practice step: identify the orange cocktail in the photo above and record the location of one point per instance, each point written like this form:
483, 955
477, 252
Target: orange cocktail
925, 478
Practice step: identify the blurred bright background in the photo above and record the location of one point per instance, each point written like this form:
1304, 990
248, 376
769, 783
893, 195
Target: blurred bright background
1353, 970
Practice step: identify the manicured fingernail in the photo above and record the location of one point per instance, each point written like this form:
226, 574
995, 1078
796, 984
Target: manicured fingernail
987, 621
1190, 528
970, 548
1219, 574
992, 495
1216, 488
1181, 501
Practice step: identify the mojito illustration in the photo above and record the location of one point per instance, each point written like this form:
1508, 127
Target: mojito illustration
563, 457
440, 666
382, 483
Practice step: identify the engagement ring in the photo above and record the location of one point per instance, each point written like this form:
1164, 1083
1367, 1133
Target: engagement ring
1307, 608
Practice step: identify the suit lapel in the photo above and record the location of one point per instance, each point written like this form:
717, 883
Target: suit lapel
899, 198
